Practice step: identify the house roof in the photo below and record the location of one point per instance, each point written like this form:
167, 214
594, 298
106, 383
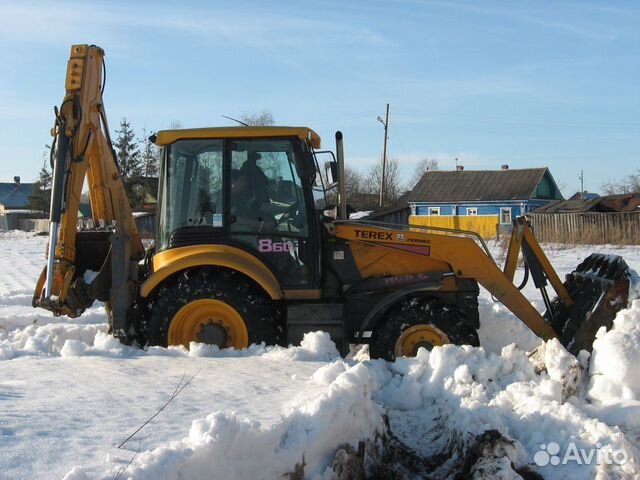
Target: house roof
568, 206
477, 185
611, 203
15, 195
399, 204
583, 196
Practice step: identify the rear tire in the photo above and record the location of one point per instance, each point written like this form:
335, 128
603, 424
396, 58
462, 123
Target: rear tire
420, 322
235, 304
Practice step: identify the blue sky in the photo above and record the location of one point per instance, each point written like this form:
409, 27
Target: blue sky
529, 84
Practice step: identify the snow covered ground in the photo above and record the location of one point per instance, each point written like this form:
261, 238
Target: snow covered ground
70, 394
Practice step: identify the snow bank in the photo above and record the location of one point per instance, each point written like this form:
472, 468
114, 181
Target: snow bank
78, 340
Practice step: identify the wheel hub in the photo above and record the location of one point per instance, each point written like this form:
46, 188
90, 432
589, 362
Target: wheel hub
213, 334
208, 321
423, 335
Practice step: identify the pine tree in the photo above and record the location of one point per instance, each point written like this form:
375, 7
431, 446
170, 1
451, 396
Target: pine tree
129, 162
40, 198
149, 158
128, 152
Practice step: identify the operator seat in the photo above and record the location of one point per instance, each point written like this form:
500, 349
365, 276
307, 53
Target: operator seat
258, 182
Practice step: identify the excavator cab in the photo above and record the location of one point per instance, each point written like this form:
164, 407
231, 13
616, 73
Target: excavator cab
245, 187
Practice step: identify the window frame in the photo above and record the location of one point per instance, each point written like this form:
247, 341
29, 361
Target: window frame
472, 211
502, 211
434, 209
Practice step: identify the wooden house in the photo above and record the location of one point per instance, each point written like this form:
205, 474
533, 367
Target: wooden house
483, 201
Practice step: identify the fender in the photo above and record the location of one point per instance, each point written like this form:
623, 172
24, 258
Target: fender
174, 260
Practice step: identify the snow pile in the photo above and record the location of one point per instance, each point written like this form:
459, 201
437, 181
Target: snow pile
48, 340
615, 378
314, 347
306, 439
77, 340
360, 215
442, 402
456, 409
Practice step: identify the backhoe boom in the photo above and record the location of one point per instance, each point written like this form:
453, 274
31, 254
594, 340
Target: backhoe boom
82, 151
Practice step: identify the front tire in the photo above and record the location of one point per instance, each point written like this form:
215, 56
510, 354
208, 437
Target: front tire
420, 322
213, 305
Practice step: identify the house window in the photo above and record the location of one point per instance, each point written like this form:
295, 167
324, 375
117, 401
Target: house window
505, 215
472, 211
434, 210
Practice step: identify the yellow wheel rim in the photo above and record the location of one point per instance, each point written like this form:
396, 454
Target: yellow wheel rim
196, 321
422, 335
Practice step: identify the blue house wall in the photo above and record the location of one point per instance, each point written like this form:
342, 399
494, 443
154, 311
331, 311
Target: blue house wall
517, 207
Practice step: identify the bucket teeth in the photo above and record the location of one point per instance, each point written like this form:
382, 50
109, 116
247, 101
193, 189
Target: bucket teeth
599, 287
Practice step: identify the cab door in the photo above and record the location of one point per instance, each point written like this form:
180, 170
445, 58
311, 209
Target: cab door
270, 210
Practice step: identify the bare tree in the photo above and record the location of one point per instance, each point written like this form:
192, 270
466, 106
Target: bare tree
424, 165
630, 184
353, 181
610, 188
633, 182
392, 180
261, 119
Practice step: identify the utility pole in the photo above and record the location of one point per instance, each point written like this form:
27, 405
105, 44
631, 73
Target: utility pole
384, 122
581, 177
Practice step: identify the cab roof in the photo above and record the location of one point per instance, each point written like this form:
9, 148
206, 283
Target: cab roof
166, 137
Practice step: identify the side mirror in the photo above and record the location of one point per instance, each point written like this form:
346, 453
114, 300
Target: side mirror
331, 212
331, 172
305, 166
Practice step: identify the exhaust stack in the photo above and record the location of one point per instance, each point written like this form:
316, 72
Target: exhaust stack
342, 188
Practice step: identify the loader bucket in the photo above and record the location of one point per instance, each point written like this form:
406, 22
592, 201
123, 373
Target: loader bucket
599, 288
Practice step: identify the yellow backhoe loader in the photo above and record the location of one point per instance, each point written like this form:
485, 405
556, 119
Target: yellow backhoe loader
248, 248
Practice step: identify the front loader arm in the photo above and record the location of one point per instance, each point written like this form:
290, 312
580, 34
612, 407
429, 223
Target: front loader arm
523, 239
83, 151
471, 261
463, 255
589, 299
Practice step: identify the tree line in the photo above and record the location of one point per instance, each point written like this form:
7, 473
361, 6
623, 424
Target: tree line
138, 163
363, 189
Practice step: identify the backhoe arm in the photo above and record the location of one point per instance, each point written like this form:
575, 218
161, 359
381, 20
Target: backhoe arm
82, 150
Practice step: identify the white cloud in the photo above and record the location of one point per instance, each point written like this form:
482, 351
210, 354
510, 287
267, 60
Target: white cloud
55, 23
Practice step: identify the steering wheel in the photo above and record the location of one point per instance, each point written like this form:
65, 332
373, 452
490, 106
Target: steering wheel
288, 215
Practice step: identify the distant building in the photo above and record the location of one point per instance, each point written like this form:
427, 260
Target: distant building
363, 201
483, 201
397, 213
15, 195
624, 202
14, 203
584, 196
